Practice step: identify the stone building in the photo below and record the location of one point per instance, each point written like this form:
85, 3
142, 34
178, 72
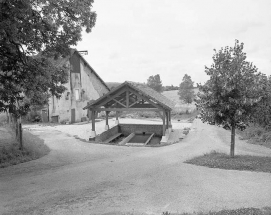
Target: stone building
83, 86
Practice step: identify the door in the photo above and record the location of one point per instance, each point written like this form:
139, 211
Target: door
44, 116
73, 115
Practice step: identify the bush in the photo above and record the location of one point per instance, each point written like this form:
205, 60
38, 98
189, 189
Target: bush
257, 135
34, 148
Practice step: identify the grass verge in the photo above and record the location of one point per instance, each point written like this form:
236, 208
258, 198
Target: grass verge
240, 211
258, 135
239, 162
34, 148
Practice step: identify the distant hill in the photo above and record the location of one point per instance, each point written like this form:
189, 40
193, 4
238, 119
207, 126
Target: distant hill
173, 95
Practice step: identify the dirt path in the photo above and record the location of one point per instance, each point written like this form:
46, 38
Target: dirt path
83, 178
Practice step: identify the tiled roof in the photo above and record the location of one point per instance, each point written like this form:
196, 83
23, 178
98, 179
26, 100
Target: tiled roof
153, 94
142, 88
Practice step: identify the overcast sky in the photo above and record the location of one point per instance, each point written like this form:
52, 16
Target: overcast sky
134, 39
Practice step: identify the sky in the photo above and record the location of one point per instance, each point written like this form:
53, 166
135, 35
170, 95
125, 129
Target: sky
134, 39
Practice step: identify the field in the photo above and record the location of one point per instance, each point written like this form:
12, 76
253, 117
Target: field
180, 107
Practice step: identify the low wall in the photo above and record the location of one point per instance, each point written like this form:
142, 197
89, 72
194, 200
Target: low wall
107, 134
127, 129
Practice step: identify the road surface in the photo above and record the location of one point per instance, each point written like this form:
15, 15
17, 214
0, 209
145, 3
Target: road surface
83, 178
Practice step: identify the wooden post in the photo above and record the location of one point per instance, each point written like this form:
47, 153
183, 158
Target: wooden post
117, 118
169, 116
106, 120
93, 134
164, 126
167, 119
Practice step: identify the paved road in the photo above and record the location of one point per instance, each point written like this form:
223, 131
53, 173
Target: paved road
83, 178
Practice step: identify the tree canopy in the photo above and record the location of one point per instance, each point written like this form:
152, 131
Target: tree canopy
155, 83
33, 35
186, 92
232, 92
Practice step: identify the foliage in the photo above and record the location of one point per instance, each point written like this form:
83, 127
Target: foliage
262, 112
256, 134
155, 83
233, 91
33, 35
186, 92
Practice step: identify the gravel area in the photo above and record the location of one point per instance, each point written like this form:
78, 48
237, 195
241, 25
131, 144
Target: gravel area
84, 178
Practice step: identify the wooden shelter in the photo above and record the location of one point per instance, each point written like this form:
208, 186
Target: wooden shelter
131, 96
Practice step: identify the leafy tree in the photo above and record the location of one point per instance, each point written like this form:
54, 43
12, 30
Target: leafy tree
34, 36
262, 112
233, 91
186, 92
155, 83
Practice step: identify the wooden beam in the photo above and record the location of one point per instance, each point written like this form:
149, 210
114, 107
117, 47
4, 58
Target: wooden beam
164, 126
167, 119
110, 98
126, 109
147, 99
93, 120
119, 102
127, 98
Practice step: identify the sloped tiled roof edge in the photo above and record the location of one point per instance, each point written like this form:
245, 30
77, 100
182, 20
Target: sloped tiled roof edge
62, 61
144, 89
153, 94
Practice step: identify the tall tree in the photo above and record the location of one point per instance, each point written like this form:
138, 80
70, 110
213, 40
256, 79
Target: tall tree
33, 35
186, 92
232, 92
155, 83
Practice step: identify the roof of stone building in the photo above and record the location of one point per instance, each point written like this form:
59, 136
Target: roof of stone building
61, 61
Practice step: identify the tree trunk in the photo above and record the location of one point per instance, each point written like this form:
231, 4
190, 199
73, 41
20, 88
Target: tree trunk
20, 136
232, 140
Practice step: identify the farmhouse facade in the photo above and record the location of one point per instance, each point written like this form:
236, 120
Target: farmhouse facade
83, 86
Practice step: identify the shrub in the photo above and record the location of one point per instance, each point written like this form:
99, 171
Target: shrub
34, 148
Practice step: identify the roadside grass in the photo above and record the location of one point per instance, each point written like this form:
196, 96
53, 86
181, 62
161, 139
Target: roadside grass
10, 154
255, 134
239, 162
240, 211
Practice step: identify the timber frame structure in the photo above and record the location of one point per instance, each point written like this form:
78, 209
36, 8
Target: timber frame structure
131, 96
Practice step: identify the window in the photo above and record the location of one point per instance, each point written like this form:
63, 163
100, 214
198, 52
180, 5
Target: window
77, 95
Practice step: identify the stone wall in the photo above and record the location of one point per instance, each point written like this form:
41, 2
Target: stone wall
127, 129
82, 80
107, 134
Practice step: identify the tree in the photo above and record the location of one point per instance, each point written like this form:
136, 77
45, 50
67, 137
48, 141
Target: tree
155, 83
34, 36
262, 112
233, 91
186, 92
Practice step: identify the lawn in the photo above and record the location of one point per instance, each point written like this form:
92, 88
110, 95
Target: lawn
240, 211
10, 154
239, 162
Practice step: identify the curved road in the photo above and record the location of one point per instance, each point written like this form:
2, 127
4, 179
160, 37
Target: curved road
83, 178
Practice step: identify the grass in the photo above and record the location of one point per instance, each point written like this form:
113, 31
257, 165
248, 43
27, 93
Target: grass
256, 135
240, 211
239, 162
10, 154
